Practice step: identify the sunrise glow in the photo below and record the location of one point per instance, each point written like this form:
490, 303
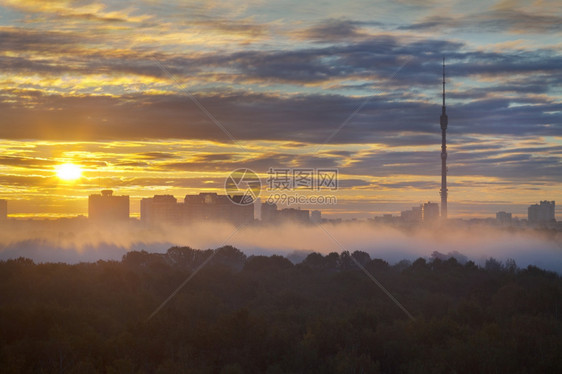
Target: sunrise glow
170, 100
68, 172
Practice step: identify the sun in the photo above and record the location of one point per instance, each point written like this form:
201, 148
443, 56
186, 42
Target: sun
68, 172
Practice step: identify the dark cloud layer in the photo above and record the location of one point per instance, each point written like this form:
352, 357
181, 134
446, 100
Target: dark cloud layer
306, 117
373, 57
310, 118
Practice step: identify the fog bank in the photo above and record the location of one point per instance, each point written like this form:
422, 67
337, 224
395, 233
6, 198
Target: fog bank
72, 243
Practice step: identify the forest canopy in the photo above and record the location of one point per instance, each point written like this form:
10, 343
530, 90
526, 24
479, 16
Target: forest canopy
266, 314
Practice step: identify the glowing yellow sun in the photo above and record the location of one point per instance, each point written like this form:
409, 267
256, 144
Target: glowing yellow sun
68, 172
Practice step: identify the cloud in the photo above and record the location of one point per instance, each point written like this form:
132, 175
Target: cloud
260, 163
25, 162
498, 20
332, 30
74, 9
157, 155
509, 165
422, 185
20, 39
203, 158
376, 59
23, 181
230, 26
310, 118
352, 183
165, 180
497, 116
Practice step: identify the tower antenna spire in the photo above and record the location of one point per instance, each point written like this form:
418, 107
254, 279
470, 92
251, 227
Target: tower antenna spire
443, 82
444, 121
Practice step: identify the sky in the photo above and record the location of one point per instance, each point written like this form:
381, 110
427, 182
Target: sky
169, 98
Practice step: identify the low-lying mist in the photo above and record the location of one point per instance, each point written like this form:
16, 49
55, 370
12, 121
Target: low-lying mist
72, 243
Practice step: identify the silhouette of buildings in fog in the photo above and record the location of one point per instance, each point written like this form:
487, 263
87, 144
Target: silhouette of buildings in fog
107, 208
425, 213
414, 215
270, 214
3, 210
160, 208
205, 206
538, 215
214, 207
541, 214
430, 212
164, 209
316, 216
503, 218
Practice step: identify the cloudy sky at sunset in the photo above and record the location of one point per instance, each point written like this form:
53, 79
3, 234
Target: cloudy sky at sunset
154, 97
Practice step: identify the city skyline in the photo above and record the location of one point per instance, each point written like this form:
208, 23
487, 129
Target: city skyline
106, 209
273, 186
168, 100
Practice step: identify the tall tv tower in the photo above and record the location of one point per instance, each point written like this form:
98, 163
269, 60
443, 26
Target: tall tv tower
444, 121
